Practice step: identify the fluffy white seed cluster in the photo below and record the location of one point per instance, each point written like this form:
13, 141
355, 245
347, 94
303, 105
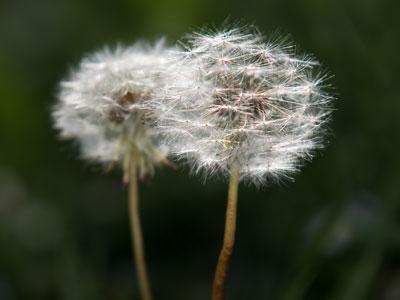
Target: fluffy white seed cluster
231, 98
104, 105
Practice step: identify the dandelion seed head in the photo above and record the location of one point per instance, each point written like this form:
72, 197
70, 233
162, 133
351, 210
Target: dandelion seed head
232, 96
103, 104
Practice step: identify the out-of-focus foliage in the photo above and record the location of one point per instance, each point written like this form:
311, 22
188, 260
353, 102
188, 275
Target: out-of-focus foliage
332, 234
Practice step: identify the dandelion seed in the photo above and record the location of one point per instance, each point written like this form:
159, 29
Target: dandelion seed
232, 97
104, 106
242, 107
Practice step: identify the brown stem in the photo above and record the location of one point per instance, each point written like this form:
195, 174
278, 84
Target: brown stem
137, 239
229, 236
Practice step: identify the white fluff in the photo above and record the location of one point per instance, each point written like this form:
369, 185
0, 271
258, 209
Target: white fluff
230, 96
104, 104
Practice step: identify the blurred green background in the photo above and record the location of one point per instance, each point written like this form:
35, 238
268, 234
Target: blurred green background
332, 234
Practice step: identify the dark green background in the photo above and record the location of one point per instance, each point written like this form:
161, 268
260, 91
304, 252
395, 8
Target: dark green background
332, 234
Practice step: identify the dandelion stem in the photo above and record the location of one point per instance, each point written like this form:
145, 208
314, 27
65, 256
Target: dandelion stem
137, 239
229, 236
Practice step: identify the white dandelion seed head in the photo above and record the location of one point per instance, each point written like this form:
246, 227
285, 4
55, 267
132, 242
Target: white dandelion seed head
103, 103
233, 97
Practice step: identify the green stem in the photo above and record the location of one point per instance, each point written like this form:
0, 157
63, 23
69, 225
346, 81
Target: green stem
229, 236
137, 239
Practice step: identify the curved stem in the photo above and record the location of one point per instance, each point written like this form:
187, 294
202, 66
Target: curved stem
229, 236
137, 239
